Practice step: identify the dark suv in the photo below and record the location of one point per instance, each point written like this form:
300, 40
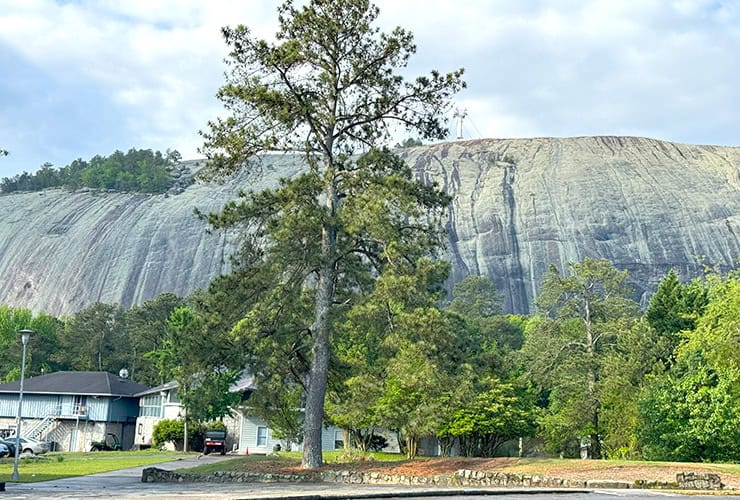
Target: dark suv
214, 441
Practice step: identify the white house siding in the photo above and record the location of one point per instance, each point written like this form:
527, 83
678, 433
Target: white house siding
172, 411
144, 430
248, 438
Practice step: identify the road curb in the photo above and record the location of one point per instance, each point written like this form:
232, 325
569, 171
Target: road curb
429, 493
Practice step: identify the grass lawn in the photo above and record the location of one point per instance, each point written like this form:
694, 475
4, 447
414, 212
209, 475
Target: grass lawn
286, 459
60, 465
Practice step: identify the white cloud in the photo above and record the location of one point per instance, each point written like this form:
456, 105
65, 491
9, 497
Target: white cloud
534, 68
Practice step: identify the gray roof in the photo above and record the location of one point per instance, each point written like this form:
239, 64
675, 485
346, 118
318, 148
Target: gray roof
164, 387
244, 383
82, 383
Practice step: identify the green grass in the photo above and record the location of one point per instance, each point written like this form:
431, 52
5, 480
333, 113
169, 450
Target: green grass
284, 458
60, 465
238, 464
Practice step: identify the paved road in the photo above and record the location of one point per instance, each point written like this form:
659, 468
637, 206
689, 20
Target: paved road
126, 484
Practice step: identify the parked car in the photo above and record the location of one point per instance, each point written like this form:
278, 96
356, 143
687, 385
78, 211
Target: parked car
214, 441
109, 443
10, 445
4, 450
29, 446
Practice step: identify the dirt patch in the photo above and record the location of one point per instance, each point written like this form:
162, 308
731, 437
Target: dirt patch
564, 469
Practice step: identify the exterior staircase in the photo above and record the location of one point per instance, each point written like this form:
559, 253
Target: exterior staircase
33, 432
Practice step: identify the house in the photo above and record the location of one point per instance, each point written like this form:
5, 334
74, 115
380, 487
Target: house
73, 409
245, 433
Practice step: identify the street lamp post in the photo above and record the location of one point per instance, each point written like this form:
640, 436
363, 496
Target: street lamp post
25, 335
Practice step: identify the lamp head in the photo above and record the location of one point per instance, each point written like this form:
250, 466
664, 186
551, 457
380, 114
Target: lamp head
25, 335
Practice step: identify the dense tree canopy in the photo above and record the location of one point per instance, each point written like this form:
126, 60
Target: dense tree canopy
141, 170
401, 362
582, 316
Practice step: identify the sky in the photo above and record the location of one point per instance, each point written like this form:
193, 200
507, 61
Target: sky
86, 77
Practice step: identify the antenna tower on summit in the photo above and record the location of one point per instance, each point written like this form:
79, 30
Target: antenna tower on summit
459, 116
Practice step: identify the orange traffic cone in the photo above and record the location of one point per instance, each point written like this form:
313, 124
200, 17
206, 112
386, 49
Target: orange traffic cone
246, 451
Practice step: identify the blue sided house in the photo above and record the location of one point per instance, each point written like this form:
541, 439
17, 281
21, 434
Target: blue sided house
72, 409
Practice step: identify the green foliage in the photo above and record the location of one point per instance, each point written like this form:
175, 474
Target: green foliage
674, 307
193, 355
691, 411
475, 297
168, 431
147, 332
399, 354
41, 346
493, 414
97, 338
173, 431
328, 86
409, 142
139, 170
638, 353
582, 318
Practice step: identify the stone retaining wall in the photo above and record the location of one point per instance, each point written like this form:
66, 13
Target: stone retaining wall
459, 478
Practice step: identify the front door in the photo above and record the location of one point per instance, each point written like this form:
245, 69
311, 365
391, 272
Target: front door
73, 439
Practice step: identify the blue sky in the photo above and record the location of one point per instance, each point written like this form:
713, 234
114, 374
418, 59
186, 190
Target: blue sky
87, 77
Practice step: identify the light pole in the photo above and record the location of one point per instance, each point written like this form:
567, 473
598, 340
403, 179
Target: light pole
25, 335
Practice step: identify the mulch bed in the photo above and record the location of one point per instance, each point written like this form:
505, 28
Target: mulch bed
582, 470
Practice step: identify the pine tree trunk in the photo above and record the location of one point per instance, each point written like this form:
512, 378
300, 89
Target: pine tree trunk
595, 447
320, 351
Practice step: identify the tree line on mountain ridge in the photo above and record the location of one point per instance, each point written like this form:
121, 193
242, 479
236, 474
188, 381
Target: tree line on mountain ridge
139, 170
588, 369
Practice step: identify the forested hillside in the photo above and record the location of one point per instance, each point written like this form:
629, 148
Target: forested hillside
139, 170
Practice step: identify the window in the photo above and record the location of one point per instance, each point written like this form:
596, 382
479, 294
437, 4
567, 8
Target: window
338, 440
261, 436
150, 406
79, 406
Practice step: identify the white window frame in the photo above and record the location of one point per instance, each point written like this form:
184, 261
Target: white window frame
264, 437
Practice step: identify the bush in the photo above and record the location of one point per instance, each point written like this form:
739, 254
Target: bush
173, 431
168, 431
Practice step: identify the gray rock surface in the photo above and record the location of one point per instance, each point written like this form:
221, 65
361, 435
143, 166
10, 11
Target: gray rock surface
519, 205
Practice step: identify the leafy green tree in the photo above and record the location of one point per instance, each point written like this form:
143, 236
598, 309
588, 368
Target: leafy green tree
490, 336
475, 297
398, 353
147, 332
327, 87
674, 307
136, 170
193, 356
691, 411
637, 355
493, 414
42, 344
96, 338
581, 318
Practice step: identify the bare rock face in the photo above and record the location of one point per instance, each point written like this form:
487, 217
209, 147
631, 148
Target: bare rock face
518, 206
645, 205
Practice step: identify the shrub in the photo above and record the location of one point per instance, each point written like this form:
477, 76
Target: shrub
168, 431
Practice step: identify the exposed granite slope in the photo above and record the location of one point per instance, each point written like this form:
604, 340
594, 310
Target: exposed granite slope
519, 205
